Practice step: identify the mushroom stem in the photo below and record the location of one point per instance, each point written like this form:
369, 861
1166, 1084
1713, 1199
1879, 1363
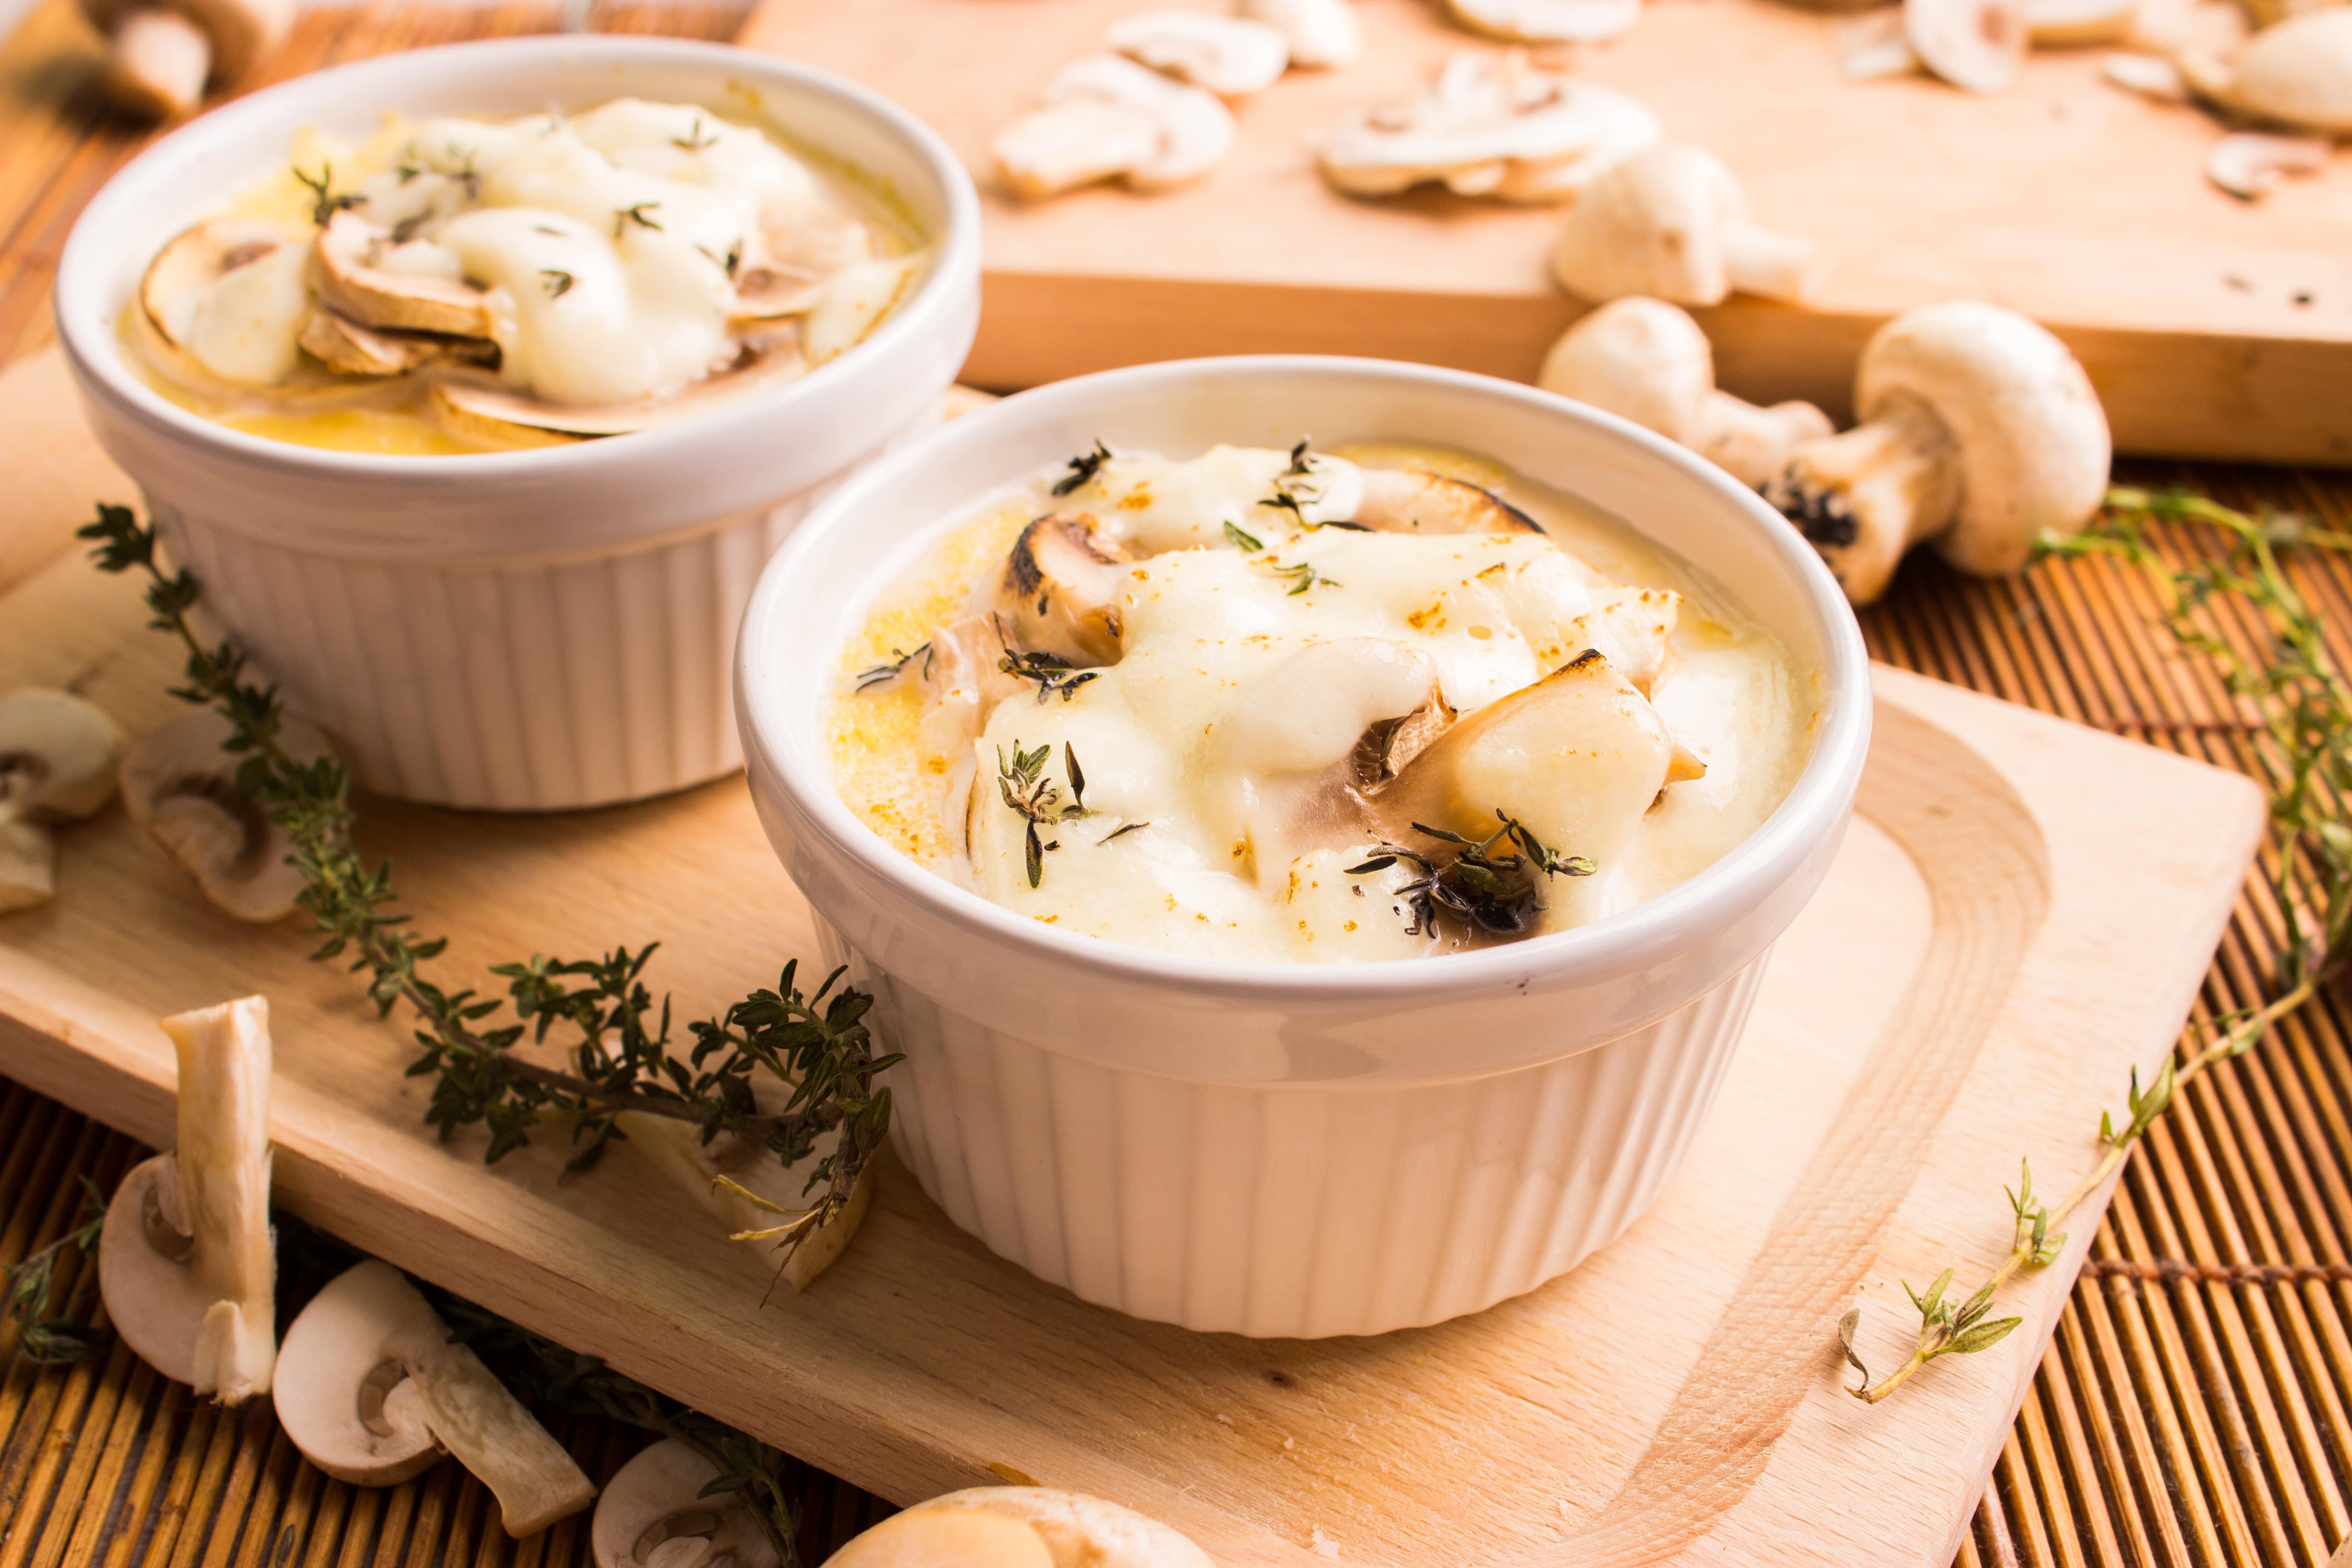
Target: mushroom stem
1752, 443
1765, 262
156, 63
1867, 495
28, 856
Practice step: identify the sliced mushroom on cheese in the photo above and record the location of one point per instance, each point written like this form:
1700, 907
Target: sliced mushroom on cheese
229, 295
1059, 594
1410, 501
361, 270
344, 345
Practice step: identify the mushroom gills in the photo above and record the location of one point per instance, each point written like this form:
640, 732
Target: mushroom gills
658, 1499
1413, 500
2251, 164
180, 786
347, 278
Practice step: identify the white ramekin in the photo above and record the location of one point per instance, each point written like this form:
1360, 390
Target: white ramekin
1276, 1150
519, 630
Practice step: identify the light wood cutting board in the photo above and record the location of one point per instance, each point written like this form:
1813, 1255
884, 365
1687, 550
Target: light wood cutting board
2211, 327
2020, 916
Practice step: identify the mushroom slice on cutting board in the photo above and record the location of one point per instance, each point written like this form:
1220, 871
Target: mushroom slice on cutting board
1321, 34
1103, 118
355, 271
1413, 500
744, 1186
1974, 45
344, 345
369, 1380
1059, 593
2251, 164
2296, 73
1229, 55
1671, 222
1547, 21
186, 1261
1978, 432
481, 407
181, 787
1020, 1527
57, 761
658, 1497
2152, 76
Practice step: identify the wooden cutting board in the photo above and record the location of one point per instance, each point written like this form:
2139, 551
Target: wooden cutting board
2021, 916
2212, 326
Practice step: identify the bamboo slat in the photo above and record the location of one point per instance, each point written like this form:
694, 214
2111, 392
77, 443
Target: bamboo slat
2195, 1407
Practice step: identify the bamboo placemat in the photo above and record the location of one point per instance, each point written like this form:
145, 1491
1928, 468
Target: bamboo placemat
2192, 1409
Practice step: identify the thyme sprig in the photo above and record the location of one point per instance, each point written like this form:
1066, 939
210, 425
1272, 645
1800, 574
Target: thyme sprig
1083, 468
1051, 671
1031, 793
2304, 727
49, 1331
1495, 893
635, 213
323, 203
1300, 574
622, 1060
875, 674
695, 139
556, 281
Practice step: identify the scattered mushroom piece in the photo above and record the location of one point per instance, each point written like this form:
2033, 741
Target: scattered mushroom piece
57, 758
345, 270
1547, 21
1104, 118
854, 300
1020, 1527
1491, 126
228, 297
181, 787
1321, 35
2296, 74
657, 1497
484, 408
369, 1361
721, 1173
1671, 222
185, 1260
1413, 500
1648, 361
159, 59
343, 345
2251, 164
2071, 23
1229, 56
2151, 76
1872, 45
1974, 45
1979, 430
1059, 594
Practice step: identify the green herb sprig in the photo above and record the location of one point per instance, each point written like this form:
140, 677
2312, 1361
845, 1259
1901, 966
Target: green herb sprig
1051, 671
1031, 794
622, 1060
49, 1331
324, 205
1083, 468
635, 213
877, 674
1495, 893
2305, 732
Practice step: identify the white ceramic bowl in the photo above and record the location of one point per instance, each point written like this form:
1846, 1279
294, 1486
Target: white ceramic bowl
531, 629
1282, 1150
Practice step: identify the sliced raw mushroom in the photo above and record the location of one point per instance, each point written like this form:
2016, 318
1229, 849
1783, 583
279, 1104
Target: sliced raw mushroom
2071, 23
1020, 1527
1413, 500
2251, 164
853, 301
1321, 35
1974, 45
1979, 431
1491, 126
346, 269
186, 1262
57, 761
181, 787
481, 408
2152, 76
1647, 360
2296, 74
1104, 118
159, 59
1671, 222
1229, 55
742, 1185
344, 345
1547, 21
217, 295
1872, 45
658, 1497
369, 1379
1059, 594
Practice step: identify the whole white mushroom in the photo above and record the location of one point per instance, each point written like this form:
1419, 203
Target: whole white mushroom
1019, 1527
1671, 222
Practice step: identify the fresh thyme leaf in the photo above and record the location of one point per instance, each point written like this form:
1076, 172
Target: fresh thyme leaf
880, 673
1083, 468
1300, 463
1302, 576
48, 1334
467, 174
409, 168
1050, 671
555, 280
1121, 831
1475, 888
695, 139
324, 205
635, 214
1241, 541
1283, 501
1028, 792
1075, 774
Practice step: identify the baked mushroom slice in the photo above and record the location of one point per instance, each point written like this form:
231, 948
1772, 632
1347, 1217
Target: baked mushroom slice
1415, 500
186, 1261
1320, 34
369, 1380
852, 302
181, 787
1978, 432
57, 761
347, 271
1671, 222
479, 407
1633, 629
658, 1497
344, 346
1974, 45
741, 1182
1547, 21
1229, 55
1104, 117
227, 296
2251, 164
1647, 360
2296, 73
1020, 1527
1060, 589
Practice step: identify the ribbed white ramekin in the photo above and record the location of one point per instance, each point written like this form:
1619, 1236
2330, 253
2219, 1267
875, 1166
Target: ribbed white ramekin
521, 630
1283, 1150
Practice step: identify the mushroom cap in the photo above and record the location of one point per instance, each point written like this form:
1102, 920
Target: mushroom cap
1974, 45
657, 1497
342, 1394
242, 31
2251, 164
1653, 224
2031, 440
156, 63
58, 753
1196, 129
1415, 500
1321, 34
921, 1538
1547, 21
151, 1298
1058, 147
1229, 56
344, 274
2299, 71
1020, 1527
180, 786
1060, 589
1638, 358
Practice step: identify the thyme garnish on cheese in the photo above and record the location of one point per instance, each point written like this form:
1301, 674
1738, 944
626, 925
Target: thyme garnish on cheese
1495, 893
1032, 793
2305, 725
621, 1057
1051, 671
695, 139
1083, 468
635, 213
877, 674
323, 203
555, 280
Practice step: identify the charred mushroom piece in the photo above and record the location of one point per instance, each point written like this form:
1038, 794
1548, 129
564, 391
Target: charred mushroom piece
159, 59
1020, 1527
2251, 164
181, 787
368, 1376
1104, 118
2296, 73
1060, 591
1321, 35
480, 408
58, 759
344, 345
185, 1262
1671, 222
1547, 21
1974, 45
1647, 360
656, 1498
345, 270
1413, 500
1229, 55
228, 297
1979, 431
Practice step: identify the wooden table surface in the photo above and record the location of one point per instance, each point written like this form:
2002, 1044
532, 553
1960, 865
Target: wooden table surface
2192, 1409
